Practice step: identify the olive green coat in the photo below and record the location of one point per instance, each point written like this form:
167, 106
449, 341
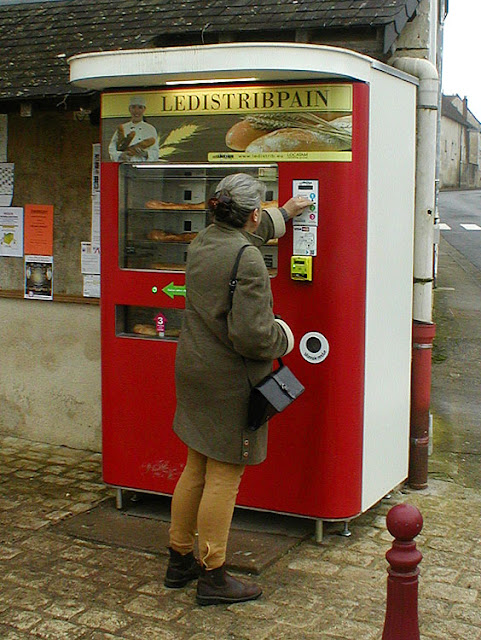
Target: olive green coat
221, 352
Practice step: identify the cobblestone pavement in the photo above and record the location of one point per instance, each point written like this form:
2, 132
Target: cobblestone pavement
58, 587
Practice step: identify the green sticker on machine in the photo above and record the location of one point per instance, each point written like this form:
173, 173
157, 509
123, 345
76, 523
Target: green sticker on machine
174, 290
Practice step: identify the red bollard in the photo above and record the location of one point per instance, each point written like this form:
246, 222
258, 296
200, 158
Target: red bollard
404, 522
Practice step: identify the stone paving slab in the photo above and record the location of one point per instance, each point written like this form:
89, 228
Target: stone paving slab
57, 586
147, 529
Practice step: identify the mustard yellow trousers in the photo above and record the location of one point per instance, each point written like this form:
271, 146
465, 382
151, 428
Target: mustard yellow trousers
203, 502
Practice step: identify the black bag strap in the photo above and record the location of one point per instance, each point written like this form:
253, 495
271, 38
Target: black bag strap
233, 275
233, 282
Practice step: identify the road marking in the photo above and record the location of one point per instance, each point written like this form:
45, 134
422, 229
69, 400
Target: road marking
471, 227
444, 227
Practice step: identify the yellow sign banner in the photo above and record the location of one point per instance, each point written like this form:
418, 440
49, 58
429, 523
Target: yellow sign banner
283, 156
234, 100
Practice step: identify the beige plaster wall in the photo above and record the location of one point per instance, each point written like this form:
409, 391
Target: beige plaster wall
450, 153
50, 372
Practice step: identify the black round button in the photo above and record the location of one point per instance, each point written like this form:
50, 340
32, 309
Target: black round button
313, 345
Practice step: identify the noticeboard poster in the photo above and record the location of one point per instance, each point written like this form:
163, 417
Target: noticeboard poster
288, 122
38, 277
11, 231
39, 229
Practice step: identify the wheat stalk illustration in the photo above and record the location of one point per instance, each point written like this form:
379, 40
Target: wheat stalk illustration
177, 136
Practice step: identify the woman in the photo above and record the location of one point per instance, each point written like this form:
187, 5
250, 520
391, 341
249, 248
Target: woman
222, 351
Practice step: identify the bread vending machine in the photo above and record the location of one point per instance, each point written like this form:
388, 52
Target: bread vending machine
332, 125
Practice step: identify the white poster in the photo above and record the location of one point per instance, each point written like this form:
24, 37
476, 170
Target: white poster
6, 183
96, 223
11, 231
91, 288
95, 168
95, 236
90, 261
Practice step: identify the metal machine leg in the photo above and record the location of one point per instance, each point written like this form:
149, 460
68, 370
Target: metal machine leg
319, 531
118, 498
345, 532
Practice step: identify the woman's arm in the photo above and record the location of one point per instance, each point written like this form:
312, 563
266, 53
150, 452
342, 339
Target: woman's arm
252, 327
273, 219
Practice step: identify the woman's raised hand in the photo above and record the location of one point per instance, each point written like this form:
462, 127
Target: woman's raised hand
296, 206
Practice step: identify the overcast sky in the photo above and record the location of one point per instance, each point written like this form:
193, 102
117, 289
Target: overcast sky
462, 52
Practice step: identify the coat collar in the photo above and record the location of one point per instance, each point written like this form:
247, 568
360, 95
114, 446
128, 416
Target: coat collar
251, 237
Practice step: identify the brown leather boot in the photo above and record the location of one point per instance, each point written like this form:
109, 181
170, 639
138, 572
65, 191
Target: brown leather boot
181, 569
218, 587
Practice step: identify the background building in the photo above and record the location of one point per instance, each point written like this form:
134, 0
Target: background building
460, 149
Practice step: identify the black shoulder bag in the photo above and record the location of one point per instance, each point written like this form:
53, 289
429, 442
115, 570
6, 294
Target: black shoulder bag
276, 391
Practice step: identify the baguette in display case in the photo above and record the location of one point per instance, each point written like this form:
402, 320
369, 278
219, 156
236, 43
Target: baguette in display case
168, 266
164, 236
159, 205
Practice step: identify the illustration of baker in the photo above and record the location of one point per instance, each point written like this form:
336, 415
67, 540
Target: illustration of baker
136, 140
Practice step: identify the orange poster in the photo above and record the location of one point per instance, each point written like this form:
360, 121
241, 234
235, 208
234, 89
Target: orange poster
38, 239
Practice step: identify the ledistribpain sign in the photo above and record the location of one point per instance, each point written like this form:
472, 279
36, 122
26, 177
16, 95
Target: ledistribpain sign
269, 122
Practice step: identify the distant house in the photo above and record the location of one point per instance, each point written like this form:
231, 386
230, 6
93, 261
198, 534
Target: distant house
460, 145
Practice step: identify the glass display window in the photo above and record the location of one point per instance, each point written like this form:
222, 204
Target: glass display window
163, 207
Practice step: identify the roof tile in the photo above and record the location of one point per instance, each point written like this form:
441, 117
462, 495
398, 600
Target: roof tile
33, 35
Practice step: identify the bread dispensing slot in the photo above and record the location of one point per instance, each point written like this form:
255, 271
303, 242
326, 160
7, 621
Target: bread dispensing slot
158, 323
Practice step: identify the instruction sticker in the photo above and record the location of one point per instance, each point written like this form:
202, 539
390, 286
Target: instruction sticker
305, 241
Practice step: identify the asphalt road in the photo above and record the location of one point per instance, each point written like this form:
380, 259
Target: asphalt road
456, 366
460, 213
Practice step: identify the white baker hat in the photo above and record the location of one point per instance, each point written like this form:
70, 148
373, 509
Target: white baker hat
138, 100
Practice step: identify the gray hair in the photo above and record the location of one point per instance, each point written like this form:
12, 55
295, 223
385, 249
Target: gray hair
237, 195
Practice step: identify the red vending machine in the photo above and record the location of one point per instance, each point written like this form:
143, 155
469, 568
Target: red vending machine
342, 135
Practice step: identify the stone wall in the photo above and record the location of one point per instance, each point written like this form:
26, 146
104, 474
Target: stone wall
50, 355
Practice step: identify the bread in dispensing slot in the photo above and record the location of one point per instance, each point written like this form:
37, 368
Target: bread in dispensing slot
293, 139
144, 330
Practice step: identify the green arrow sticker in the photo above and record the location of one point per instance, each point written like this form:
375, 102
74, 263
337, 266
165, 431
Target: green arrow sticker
174, 290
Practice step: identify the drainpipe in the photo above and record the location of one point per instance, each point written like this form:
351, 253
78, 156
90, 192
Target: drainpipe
424, 218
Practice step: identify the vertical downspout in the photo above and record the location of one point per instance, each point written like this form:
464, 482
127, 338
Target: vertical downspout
439, 66
424, 219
